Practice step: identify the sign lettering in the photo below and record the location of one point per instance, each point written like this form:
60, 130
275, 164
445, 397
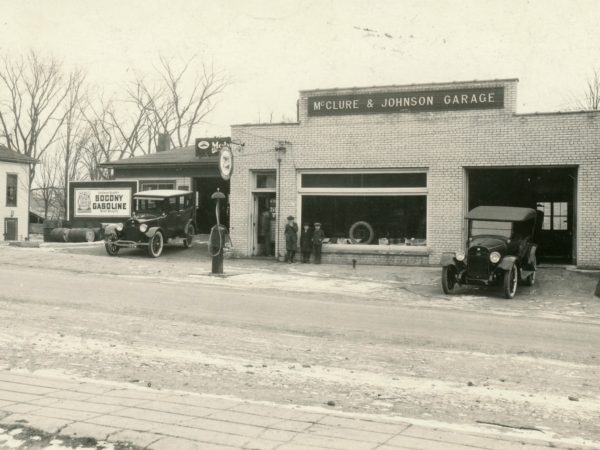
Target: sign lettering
406, 102
100, 202
211, 146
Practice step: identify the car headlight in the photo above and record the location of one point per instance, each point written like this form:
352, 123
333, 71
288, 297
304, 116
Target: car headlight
143, 227
494, 257
119, 227
460, 256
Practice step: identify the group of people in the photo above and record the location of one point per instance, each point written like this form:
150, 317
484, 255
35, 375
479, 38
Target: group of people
311, 241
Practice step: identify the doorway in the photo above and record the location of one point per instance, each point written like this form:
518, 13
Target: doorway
205, 214
11, 229
549, 190
264, 224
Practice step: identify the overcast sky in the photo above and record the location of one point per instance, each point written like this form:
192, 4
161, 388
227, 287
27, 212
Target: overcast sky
272, 49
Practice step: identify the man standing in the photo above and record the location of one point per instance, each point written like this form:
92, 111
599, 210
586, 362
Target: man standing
291, 239
317, 240
306, 243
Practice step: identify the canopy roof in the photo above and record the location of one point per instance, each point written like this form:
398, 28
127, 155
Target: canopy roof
161, 193
180, 157
502, 213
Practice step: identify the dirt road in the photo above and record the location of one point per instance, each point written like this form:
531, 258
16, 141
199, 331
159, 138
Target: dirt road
355, 354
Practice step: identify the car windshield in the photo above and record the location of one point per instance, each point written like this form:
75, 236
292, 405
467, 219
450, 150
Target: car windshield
149, 205
491, 227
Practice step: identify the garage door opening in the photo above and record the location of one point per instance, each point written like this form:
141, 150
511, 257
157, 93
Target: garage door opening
551, 190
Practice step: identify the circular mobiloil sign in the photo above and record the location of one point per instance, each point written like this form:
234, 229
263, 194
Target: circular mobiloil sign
203, 145
225, 163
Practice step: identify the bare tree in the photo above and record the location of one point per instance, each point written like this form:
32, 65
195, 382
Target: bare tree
180, 99
47, 184
33, 91
72, 137
590, 99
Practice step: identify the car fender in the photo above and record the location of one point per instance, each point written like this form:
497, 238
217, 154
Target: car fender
152, 231
109, 228
448, 259
507, 262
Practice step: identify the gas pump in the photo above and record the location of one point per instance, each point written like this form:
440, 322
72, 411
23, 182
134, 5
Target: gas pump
218, 238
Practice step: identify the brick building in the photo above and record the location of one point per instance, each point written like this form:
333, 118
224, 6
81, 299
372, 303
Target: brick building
391, 171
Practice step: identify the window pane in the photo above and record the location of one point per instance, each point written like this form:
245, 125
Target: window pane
11, 190
560, 223
265, 180
364, 180
547, 223
393, 219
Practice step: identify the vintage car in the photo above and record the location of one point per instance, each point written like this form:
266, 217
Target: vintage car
158, 216
500, 250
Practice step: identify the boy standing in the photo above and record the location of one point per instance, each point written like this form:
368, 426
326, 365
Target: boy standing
317, 241
291, 239
306, 243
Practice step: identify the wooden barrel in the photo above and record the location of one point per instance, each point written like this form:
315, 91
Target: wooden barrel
59, 235
81, 235
49, 225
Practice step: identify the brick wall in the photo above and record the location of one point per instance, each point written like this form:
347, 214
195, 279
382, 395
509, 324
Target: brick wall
445, 143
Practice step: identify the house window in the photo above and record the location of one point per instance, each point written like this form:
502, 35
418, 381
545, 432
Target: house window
155, 185
374, 208
11, 189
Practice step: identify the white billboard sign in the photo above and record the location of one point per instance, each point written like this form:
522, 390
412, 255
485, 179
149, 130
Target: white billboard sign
102, 202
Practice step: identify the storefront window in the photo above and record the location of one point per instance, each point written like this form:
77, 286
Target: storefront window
155, 185
364, 180
369, 219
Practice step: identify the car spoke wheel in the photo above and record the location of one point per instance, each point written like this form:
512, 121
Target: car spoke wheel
111, 248
448, 279
511, 278
189, 235
361, 233
155, 246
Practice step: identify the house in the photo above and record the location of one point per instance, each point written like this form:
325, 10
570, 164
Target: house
14, 194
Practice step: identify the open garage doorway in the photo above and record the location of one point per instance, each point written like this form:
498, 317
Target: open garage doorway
551, 190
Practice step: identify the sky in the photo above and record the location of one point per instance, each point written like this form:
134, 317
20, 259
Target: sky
270, 50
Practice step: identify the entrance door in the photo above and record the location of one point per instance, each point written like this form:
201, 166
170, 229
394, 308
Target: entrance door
10, 229
556, 231
263, 224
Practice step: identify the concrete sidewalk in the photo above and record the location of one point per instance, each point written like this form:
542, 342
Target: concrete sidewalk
154, 419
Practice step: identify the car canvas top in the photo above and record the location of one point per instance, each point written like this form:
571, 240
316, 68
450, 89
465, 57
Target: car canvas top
502, 213
161, 193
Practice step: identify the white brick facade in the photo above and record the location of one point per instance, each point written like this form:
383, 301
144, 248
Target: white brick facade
444, 143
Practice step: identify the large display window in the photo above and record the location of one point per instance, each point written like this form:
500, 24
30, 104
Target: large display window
367, 208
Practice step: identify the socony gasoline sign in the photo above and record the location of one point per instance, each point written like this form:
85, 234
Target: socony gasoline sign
100, 202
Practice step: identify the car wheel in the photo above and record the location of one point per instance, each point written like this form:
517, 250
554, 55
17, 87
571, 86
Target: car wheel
361, 233
155, 246
111, 248
511, 278
448, 279
530, 280
189, 235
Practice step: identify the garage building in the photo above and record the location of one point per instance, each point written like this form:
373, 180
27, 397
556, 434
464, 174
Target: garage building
390, 171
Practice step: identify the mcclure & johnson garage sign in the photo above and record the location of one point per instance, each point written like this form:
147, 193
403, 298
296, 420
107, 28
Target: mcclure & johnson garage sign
399, 102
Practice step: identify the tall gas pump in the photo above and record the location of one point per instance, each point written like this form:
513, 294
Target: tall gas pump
219, 237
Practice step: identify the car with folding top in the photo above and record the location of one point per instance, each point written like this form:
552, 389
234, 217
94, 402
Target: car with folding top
159, 216
500, 250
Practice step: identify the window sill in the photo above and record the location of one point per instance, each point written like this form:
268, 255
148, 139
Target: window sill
417, 250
